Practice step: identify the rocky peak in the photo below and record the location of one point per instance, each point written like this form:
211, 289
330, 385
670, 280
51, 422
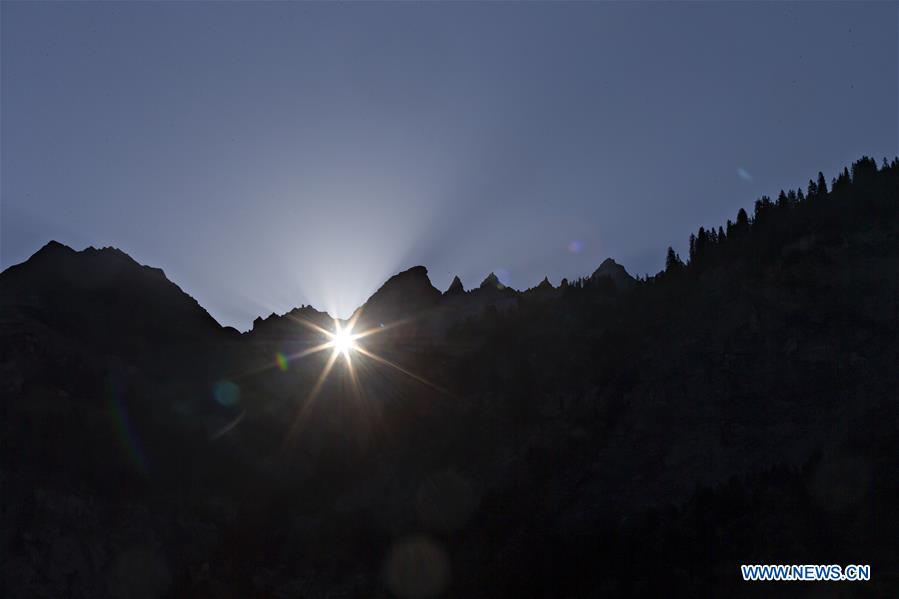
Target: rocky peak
491, 281
53, 247
611, 269
106, 299
455, 287
290, 324
403, 295
413, 281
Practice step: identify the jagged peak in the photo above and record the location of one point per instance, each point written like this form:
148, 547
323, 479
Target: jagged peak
611, 269
294, 315
106, 250
491, 281
54, 246
411, 285
55, 249
58, 255
51, 250
57, 274
417, 276
542, 286
608, 267
303, 309
455, 287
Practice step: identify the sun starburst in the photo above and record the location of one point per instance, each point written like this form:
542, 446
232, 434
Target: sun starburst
342, 339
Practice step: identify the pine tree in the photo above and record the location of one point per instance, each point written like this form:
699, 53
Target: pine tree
673, 263
762, 206
864, 168
842, 181
702, 243
822, 184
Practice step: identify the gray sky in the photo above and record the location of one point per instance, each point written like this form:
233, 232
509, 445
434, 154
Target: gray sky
267, 155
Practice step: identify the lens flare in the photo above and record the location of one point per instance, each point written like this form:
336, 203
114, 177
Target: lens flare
123, 426
281, 361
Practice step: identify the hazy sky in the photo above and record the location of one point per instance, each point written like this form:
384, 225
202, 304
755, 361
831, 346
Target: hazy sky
267, 155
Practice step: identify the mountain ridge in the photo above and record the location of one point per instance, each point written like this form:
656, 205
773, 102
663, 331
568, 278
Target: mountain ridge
754, 381
414, 280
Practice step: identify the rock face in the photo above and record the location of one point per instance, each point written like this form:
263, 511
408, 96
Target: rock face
614, 271
455, 287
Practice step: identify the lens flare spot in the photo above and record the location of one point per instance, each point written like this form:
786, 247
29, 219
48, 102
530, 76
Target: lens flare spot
124, 428
226, 393
281, 360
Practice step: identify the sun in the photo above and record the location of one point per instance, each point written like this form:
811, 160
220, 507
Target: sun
342, 340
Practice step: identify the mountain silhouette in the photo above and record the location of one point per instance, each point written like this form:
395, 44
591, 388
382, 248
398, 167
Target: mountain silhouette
455, 287
491, 282
104, 300
608, 437
405, 294
614, 271
544, 284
